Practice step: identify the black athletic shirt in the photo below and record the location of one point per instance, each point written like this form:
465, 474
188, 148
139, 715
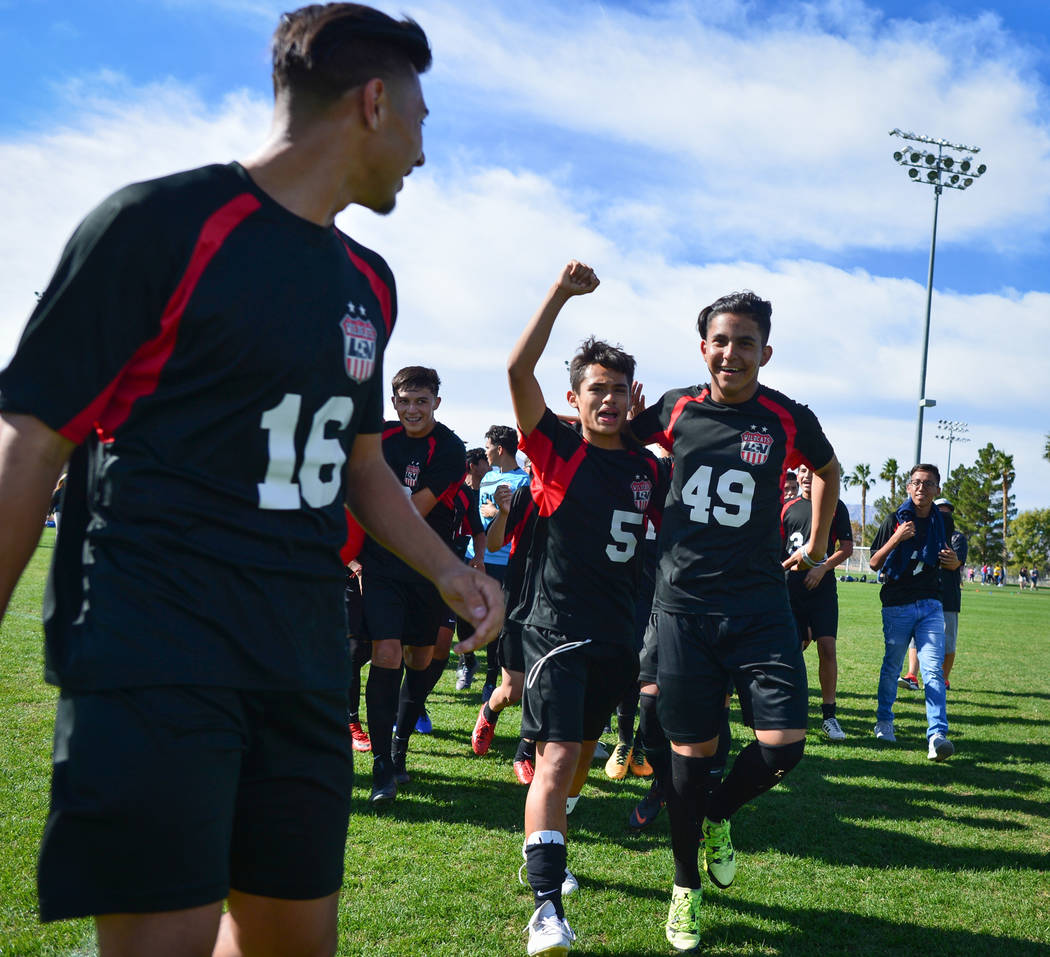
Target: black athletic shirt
586, 555
466, 519
436, 461
521, 523
213, 356
919, 580
720, 538
796, 526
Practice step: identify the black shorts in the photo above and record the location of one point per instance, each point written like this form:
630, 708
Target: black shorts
408, 611
816, 614
572, 692
166, 798
355, 608
700, 655
648, 657
499, 572
511, 653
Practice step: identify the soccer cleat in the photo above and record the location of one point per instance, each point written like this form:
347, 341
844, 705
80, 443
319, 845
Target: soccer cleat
616, 766
359, 737
401, 775
524, 771
646, 810
384, 787
719, 859
947, 685
884, 731
911, 682
465, 676
832, 730
549, 934
640, 766
423, 723
683, 918
570, 803
940, 748
601, 752
570, 885
481, 737
486, 691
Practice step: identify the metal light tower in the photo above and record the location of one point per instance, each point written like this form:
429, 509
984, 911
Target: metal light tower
951, 432
943, 168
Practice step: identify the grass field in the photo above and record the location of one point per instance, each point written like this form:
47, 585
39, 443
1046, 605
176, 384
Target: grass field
863, 850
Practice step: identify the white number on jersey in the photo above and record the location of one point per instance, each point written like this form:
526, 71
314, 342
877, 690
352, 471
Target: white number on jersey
317, 486
795, 541
735, 490
624, 542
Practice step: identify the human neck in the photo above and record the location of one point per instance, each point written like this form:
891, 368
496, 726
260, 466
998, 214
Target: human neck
602, 440
507, 463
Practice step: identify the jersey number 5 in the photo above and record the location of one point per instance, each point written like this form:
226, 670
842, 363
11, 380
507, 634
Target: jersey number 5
624, 538
322, 458
735, 489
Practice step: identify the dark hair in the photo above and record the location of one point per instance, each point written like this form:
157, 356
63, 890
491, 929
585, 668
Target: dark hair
740, 304
926, 467
505, 436
415, 377
596, 352
476, 455
322, 50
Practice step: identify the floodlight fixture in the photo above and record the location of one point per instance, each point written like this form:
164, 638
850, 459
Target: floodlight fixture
951, 432
943, 161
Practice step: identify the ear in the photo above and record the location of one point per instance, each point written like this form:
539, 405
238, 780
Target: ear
374, 103
437, 401
573, 399
703, 348
767, 354
393, 401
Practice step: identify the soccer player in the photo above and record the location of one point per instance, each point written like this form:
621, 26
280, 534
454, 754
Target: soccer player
208, 358
403, 610
474, 552
721, 609
813, 593
593, 492
911, 547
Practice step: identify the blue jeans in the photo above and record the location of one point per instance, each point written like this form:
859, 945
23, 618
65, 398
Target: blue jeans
923, 620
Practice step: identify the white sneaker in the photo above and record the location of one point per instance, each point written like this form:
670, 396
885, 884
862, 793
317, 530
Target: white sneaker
570, 804
833, 730
940, 748
601, 752
570, 884
884, 731
549, 934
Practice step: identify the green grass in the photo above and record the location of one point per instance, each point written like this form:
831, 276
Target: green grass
862, 850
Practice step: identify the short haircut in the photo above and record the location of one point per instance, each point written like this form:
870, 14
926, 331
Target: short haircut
595, 352
415, 377
739, 304
322, 50
926, 467
503, 435
791, 475
476, 455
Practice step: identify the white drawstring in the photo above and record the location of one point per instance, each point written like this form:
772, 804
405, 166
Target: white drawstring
535, 669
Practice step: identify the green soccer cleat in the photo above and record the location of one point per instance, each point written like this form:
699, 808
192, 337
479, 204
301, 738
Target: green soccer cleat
683, 918
719, 859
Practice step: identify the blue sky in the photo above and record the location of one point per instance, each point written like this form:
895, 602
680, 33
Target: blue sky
683, 148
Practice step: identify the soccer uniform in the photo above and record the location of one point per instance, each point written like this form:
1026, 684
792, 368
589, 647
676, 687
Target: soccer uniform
585, 567
399, 602
213, 356
466, 523
817, 609
521, 522
721, 605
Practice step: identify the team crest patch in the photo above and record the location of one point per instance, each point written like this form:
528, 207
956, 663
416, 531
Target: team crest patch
411, 475
359, 343
642, 490
755, 446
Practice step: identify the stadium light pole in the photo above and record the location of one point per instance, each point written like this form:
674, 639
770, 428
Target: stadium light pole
945, 168
951, 432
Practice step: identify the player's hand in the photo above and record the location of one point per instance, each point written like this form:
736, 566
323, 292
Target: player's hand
905, 531
478, 598
478, 562
949, 559
637, 406
814, 577
794, 562
488, 510
577, 279
502, 497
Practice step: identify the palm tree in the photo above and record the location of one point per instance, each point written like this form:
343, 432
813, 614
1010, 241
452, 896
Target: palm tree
1004, 465
890, 468
1046, 450
861, 478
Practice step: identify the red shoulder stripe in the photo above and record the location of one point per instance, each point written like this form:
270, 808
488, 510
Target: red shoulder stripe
139, 376
380, 288
667, 437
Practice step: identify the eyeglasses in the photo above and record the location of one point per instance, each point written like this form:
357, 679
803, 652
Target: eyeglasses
919, 483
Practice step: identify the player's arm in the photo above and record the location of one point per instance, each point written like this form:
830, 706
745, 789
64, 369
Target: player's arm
31, 459
576, 279
902, 533
824, 494
379, 503
496, 536
424, 500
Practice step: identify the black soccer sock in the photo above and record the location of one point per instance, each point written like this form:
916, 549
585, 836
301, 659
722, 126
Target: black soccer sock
686, 798
433, 671
652, 738
526, 751
492, 668
718, 767
625, 714
546, 858
827, 710
360, 653
410, 700
757, 768
490, 716
470, 660
381, 694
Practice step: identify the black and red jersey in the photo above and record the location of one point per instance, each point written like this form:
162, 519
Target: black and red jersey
586, 555
797, 525
213, 356
466, 519
720, 538
436, 461
521, 521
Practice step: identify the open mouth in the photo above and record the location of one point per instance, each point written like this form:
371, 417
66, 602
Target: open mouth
608, 416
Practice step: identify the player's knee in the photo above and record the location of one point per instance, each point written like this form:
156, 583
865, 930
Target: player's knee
782, 758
